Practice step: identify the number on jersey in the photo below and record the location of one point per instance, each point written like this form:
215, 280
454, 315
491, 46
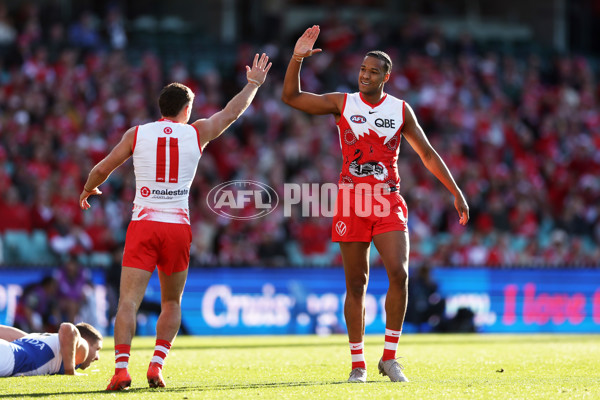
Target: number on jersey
161, 160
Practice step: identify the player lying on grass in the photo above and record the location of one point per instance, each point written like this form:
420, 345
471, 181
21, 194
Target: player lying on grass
73, 347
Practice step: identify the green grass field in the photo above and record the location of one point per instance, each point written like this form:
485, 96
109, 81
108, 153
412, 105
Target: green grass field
312, 367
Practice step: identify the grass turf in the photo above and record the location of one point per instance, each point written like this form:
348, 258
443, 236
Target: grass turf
312, 367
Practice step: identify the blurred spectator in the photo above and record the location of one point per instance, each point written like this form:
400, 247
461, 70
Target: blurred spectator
462, 322
84, 32
56, 42
313, 236
8, 33
500, 253
14, 214
42, 212
37, 308
98, 230
112, 279
67, 239
271, 250
426, 307
72, 279
114, 26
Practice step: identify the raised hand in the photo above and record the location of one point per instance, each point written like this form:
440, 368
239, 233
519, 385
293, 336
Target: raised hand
304, 45
258, 73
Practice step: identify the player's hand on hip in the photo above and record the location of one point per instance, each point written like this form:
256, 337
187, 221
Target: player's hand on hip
304, 45
83, 203
260, 67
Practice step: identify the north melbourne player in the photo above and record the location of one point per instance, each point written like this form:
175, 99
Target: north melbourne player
28, 354
165, 156
371, 124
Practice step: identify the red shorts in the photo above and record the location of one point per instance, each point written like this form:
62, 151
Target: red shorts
151, 244
359, 217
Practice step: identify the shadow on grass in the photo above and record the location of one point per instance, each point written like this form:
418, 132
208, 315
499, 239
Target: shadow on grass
191, 388
239, 346
418, 340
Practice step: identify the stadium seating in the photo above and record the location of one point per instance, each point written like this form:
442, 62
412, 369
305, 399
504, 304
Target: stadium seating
509, 123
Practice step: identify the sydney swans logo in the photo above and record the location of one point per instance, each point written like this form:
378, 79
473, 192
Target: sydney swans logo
340, 228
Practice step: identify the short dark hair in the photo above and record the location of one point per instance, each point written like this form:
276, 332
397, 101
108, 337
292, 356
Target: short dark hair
48, 280
88, 332
383, 57
173, 98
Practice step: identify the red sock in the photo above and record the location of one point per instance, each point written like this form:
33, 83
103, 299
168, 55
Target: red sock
391, 344
160, 352
358, 358
121, 357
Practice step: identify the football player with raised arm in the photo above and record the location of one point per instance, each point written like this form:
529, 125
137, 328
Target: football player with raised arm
371, 124
165, 156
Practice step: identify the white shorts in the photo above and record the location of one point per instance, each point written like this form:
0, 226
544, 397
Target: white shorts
7, 359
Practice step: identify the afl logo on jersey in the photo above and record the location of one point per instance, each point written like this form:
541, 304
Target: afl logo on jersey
144, 191
358, 119
168, 130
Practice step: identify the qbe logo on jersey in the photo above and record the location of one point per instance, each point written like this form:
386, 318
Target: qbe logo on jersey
242, 199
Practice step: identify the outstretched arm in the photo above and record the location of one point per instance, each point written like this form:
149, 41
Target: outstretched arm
330, 103
73, 348
9, 333
415, 136
211, 128
104, 168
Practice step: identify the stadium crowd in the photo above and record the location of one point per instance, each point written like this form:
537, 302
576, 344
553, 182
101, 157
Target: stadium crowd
520, 134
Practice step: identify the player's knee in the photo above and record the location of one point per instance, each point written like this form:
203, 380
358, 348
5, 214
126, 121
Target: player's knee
357, 288
172, 305
398, 276
127, 307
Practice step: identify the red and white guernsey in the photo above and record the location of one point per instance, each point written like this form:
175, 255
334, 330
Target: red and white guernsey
165, 158
370, 137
